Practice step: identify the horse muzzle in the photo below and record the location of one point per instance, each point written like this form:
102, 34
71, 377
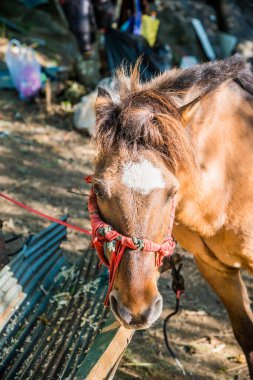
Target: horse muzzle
136, 321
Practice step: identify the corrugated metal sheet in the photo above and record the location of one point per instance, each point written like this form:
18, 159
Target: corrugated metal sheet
29, 267
59, 310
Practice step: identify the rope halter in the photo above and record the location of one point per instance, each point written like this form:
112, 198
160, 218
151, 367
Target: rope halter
106, 239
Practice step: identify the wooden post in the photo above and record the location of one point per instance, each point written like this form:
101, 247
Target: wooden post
48, 92
4, 259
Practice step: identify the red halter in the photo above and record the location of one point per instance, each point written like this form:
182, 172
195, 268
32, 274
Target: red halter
104, 238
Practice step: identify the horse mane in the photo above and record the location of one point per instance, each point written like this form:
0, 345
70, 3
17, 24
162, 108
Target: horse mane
149, 116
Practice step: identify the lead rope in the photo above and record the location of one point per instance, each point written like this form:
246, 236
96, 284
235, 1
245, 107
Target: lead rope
178, 288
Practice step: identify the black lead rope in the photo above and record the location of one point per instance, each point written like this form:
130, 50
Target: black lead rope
178, 288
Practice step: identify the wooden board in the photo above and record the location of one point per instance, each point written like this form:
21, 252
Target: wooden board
106, 351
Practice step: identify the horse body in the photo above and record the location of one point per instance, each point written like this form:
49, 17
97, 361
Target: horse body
192, 130
219, 205
216, 223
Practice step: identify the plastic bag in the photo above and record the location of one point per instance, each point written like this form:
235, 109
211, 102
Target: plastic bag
25, 70
149, 29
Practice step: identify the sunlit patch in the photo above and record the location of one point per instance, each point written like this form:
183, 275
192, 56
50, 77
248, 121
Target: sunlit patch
11, 295
142, 177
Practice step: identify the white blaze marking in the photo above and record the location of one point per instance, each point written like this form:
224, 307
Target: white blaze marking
142, 177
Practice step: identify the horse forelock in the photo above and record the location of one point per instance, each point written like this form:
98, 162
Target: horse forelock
143, 119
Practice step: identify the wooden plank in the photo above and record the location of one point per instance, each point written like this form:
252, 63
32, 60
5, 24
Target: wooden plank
111, 374
106, 351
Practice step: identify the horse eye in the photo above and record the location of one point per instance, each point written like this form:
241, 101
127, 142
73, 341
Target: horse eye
97, 190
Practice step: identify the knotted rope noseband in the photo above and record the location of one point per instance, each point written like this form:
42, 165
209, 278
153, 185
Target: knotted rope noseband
105, 238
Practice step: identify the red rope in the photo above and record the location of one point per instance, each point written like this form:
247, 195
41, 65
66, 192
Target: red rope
52, 219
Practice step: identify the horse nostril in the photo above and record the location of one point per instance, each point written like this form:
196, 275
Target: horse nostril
158, 304
113, 302
154, 310
114, 305
119, 310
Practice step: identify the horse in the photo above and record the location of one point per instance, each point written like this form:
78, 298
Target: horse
185, 137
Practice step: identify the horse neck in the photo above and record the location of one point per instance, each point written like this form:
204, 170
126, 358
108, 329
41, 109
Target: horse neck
205, 196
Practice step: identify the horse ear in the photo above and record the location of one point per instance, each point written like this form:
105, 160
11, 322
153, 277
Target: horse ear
103, 93
188, 109
103, 102
198, 80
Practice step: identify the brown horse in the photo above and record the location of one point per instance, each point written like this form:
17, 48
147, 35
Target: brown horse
187, 134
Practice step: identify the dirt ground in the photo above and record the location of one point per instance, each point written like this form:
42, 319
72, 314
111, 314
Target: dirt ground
41, 156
